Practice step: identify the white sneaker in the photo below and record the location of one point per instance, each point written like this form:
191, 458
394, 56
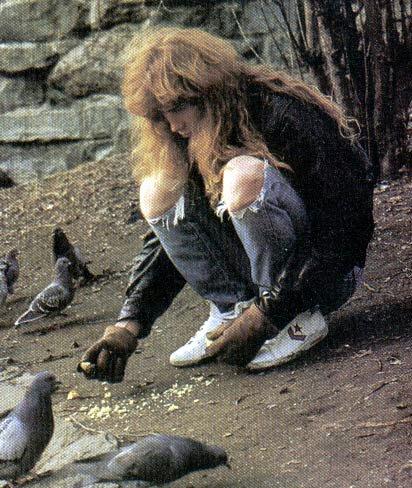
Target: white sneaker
303, 332
193, 352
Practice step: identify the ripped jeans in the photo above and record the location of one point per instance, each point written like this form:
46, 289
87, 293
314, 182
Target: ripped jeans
230, 258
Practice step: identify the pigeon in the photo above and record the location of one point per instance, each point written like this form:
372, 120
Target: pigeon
5, 180
54, 298
13, 268
26, 431
4, 291
155, 460
62, 247
135, 214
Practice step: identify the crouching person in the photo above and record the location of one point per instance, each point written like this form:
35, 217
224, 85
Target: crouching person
257, 194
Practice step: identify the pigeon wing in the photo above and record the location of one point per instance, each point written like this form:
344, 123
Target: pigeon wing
62, 247
144, 461
13, 439
81, 264
79, 256
53, 298
3, 286
12, 273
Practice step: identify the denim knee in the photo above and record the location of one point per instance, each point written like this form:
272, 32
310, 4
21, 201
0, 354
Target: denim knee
171, 216
269, 227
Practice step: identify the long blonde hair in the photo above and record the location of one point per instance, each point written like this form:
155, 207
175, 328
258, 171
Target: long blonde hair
176, 64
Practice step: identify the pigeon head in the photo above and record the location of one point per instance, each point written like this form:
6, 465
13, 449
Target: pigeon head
45, 383
58, 231
217, 457
13, 254
60, 237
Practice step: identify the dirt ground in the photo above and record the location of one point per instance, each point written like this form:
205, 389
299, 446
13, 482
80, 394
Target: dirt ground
338, 417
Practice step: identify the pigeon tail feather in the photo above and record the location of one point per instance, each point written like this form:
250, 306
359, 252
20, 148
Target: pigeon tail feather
29, 316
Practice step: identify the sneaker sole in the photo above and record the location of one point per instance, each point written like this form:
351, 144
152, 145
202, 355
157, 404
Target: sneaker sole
278, 362
185, 364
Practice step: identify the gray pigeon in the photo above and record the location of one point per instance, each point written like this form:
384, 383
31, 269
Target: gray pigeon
156, 459
3, 283
26, 431
54, 298
13, 268
5, 180
62, 247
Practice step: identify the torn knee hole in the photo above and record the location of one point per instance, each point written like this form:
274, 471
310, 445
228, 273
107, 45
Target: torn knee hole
155, 202
239, 201
242, 185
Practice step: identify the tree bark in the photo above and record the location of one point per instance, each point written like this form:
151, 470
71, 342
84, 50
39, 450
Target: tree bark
330, 23
360, 51
313, 56
354, 60
382, 43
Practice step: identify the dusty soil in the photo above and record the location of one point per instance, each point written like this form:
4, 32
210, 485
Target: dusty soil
338, 417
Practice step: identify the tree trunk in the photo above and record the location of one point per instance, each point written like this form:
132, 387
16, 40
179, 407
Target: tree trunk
381, 45
330, 23
354, 61
317, 63
361, 53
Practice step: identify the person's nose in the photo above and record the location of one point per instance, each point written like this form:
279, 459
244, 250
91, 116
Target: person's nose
176, 123
177, 126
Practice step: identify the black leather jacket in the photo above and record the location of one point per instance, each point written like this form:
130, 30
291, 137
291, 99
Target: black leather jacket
335, 180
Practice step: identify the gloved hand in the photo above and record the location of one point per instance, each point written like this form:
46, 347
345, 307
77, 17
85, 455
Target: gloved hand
238, 342
106, 359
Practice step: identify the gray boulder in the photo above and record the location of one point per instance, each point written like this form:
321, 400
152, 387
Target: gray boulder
260, 17
189, 16
221, 20
102, 14
96, 117
106, 13
22, 56
31, 161
19, 91
96, 65
37, 20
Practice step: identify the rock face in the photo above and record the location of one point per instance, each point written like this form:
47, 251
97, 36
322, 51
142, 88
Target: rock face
37, 20
84, 71
20, 91
59, 138
22, 56
61, 65
26, 162
96, 117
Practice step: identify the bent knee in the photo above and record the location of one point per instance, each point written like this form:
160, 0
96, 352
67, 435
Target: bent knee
156, 198
243, 179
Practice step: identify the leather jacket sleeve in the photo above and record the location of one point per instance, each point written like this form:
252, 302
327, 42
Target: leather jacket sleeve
335, 180
153, 284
